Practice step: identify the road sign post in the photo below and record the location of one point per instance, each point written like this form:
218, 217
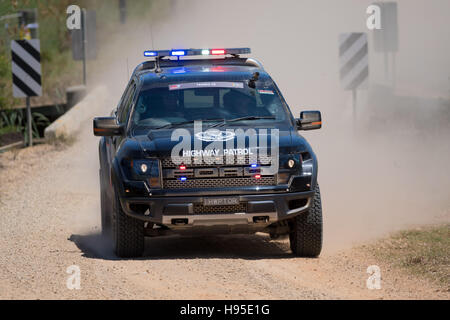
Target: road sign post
26, 72
123, 11
84, 40
386, 38
29, 123
354, 64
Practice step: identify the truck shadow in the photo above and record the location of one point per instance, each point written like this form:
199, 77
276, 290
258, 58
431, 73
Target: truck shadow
250, 247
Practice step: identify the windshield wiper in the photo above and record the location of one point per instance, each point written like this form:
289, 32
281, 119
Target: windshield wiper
177, 124
225, 121
172, 125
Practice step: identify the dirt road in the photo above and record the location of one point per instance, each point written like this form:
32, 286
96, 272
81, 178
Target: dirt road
49, 205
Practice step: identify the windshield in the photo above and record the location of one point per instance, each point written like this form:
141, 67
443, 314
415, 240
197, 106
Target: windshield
209, 101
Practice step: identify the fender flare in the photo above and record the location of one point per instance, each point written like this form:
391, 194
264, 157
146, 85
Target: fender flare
116, 178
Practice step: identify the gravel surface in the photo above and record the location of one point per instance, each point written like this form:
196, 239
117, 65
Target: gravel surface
50, 218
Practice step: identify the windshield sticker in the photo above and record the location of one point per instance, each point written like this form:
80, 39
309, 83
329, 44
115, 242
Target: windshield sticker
195, 85
266, 92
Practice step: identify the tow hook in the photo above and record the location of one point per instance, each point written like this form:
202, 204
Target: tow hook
180, 222
261, 219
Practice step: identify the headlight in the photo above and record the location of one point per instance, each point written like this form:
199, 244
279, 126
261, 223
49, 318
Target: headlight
143, 168
289, 165
303, 181
148, 170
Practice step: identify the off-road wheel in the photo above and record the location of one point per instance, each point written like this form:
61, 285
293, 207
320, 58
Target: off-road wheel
128, 233
306, 230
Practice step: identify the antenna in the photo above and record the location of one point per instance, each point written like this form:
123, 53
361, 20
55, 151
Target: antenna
158, 65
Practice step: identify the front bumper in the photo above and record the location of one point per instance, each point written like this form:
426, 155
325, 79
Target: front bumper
177, 213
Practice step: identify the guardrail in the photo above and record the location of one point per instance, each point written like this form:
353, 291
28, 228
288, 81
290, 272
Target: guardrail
68, 125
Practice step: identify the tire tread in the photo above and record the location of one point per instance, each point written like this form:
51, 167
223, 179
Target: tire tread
306, 235
128, 234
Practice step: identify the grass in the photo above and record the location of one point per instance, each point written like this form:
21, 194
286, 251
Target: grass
422, 251
9, 129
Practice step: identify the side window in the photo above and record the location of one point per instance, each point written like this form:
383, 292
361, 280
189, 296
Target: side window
121, 101
126, 104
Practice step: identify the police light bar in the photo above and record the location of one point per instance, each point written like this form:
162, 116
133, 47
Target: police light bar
196, 52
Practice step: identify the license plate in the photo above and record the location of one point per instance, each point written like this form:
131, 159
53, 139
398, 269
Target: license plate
220, 201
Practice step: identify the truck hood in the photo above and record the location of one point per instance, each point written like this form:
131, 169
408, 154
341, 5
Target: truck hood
159, 143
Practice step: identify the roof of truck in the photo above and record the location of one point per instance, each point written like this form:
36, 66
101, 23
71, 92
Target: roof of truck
201, 73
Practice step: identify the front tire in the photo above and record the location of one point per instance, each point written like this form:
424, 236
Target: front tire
128, 233
306, 230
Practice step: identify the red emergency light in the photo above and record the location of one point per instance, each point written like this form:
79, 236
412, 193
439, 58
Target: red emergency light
218, 52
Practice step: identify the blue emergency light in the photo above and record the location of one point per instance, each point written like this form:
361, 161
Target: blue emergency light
150, 53
178, 53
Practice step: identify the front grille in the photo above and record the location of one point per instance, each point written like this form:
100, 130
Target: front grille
219, 183
208, 161
238, 208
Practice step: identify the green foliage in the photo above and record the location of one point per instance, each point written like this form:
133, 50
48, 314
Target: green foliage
15, 121
58, 68
55, 45
12, 118
5, 130
6, 98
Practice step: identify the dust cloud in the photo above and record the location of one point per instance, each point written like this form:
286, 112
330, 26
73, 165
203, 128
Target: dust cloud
391, 169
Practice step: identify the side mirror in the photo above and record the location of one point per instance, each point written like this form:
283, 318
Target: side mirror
309, 120
107, 127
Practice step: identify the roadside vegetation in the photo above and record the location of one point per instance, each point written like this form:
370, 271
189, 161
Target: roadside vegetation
58, 68
59, 71
422, 251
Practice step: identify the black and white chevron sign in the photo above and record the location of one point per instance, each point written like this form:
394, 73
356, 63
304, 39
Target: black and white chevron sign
26, 68
354, 60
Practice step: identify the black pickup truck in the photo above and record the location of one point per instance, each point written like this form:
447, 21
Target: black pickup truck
207, 145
